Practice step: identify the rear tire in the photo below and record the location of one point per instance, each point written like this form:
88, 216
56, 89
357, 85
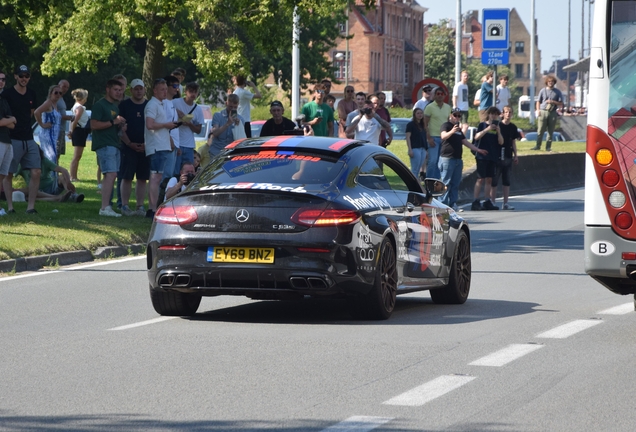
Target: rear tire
379, 302
171, 303
458, 288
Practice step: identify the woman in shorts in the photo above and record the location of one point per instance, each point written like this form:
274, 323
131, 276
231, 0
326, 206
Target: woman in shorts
78, 132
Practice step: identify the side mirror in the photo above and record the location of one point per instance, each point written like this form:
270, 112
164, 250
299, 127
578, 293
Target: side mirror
434, 187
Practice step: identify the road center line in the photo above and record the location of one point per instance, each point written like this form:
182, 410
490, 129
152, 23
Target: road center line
506, 355
618, 310
142, 323
430, 390
569, 329
358, 424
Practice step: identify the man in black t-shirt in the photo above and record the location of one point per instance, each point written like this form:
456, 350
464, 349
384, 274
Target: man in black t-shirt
277, 124
489, 137
133, 152
450, 157
26, 152
7, 122
506, 157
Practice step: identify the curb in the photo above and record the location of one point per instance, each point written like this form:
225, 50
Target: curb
39, 262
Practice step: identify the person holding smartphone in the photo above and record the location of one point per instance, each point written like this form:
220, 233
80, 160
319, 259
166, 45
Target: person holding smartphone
223, 123
490, 139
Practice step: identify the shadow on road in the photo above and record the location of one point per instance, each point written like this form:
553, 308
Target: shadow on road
409, 310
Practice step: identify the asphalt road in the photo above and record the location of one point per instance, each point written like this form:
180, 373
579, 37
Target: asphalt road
539, 346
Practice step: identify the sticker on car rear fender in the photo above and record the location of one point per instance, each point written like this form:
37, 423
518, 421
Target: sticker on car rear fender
602, 248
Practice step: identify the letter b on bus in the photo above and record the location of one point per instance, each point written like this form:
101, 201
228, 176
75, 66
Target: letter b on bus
602, 248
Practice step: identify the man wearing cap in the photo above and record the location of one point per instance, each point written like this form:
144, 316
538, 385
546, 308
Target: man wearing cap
26, 153
426, 98
134, 162
277, 124
450, 158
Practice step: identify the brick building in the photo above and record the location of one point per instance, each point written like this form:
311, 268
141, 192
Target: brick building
519, 49
386, 50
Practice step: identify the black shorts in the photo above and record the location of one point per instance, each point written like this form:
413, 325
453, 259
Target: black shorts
486, 168
79, 136
134, 164
502, 169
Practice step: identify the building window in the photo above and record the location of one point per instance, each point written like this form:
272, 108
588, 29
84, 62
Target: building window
518, 71
339, 65
519, 47
406, 74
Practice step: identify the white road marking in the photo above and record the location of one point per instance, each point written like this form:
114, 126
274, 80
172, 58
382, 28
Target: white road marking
142, 323
618, 310
430, 390
506, 355
66, 269
569, 329
358, 424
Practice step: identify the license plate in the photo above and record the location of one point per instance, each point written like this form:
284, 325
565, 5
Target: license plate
241, 255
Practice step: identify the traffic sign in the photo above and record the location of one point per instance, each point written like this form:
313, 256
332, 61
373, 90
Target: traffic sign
495, 57
495, 30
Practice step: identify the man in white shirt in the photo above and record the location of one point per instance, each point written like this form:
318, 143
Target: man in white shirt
367, 126
191, 119
172, 163
157, 137
427, 97
460, 99
179, 183
503, 93
245, 100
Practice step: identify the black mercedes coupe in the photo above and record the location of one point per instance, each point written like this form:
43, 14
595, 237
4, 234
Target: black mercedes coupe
292, 216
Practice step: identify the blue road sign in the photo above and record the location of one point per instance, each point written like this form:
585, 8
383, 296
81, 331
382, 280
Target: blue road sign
495, 57
495, 29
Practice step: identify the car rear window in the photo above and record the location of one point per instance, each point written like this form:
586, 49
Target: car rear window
272, 166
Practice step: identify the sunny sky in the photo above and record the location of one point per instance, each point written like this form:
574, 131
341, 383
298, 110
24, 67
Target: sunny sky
551, 15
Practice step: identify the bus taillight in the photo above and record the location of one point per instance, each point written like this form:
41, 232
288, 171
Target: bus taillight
617, 199
610, 178
623, 220
604, 157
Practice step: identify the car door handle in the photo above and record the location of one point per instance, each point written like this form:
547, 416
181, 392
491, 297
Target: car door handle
410, 207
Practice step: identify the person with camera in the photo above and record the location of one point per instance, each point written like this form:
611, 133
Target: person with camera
450, 156
176, 185
550, 98
489, 138
367, 126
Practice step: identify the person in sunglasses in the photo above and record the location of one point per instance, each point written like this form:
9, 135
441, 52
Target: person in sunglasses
317, 113
450, 158
26, 152
50, 121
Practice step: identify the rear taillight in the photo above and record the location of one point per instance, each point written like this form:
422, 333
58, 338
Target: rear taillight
176, 215
623, 220
610, 178
329, 217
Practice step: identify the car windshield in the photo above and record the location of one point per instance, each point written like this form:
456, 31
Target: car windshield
272, 167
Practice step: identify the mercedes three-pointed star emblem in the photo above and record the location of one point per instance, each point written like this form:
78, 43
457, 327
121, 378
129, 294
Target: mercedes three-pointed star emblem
242, 215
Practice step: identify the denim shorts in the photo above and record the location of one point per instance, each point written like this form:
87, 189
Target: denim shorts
158, 161
108, 159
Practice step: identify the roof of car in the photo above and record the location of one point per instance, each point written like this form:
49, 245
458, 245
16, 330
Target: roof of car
312, 143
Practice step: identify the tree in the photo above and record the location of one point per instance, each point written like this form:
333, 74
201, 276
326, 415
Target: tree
218, 36
439, 56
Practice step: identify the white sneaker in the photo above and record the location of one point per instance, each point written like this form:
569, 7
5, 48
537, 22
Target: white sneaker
507, 206
2, 212
108, 211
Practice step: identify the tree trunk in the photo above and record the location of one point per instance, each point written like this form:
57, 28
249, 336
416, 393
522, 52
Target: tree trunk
153, 59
